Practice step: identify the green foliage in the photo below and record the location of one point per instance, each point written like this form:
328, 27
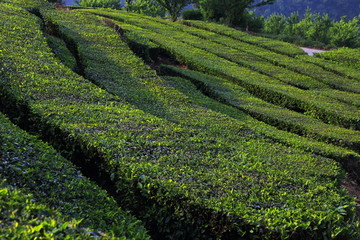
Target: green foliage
230, 12
188, 171
251, 22
222, 60
147, 7
275, 24
30, 5
346, 33
166, 105
340, 67
273, 45
344, 56
23, 218
35, 167
114, 4
218, 90
61, 51
253, 59
192, 14
174, 7
235, 96
334, 8
314, 30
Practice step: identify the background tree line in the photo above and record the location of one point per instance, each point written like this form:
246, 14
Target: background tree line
334, 8
314, 29
301, 26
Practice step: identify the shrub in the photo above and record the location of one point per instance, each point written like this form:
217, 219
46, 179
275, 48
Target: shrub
192, 14
345, 33
28, 163
147, 7
115, 4
314, 30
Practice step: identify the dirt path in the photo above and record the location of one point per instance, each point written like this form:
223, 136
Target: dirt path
311, 51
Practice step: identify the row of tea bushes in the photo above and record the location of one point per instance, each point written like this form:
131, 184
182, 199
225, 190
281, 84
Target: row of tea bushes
29, 164
327, 76
267, 88
184, 182
191, 88
248, 60
332, 66
124, 75
236, 96
93, 48
344, 56
79, 34
296, 72
30, 5
276, 46
60, 49
74, 29
22, 218
349, 98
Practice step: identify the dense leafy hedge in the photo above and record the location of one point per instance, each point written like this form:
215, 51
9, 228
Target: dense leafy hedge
37, 168
287, 69
30, 5
201, 82
276, 46
293, 64
269, 89
203, 176
60, 49
246, 59
22, 218
238, 97
332, 66
346, 56
79, 35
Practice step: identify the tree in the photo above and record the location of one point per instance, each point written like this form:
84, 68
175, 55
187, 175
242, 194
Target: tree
334, 8
229, 12
115, 4
345, 33
128, 4
147, 7
174, 7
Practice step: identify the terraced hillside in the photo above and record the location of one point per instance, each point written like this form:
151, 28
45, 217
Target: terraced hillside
199, 130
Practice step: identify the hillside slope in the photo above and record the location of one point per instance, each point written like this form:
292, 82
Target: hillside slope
248, 139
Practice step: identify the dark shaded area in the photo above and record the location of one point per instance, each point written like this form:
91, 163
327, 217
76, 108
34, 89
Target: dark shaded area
153, 56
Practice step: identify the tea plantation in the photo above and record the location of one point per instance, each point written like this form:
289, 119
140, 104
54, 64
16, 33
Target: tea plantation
121, 126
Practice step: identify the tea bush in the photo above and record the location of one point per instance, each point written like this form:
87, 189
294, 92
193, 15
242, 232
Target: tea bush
31, 165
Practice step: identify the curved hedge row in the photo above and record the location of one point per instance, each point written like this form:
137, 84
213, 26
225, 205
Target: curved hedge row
276, 46
238, 97
344, 56
134, 90
60, 49
269, 89
76, 33
346, 157
31, 165
294, 64
186, 179
332, 66
22, 218
287, 69
180, 33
